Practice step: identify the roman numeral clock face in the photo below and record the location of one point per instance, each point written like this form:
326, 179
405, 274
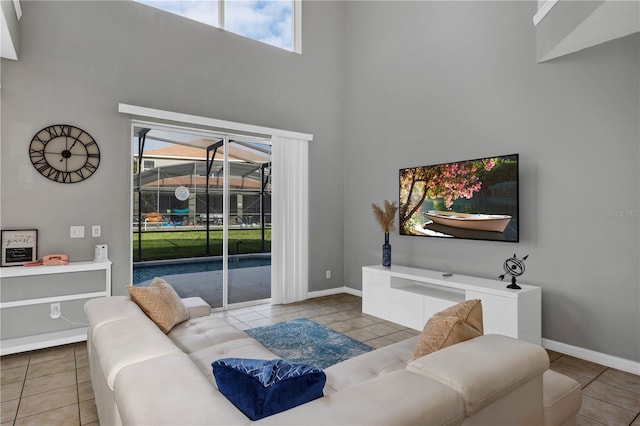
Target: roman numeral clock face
64, 153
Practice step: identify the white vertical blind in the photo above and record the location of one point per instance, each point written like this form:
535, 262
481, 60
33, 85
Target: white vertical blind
289, 220
226, 209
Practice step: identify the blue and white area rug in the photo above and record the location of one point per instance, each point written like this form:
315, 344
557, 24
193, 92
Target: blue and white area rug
305, 341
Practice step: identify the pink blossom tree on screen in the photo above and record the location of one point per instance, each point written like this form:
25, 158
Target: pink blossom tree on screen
447, 181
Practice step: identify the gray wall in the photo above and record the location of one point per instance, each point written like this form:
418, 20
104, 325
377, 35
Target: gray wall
388, 85
431, 82
80, 59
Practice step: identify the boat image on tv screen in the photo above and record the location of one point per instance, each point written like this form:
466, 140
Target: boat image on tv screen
473, 199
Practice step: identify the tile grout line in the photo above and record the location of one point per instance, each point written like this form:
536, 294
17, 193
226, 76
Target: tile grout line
582, 390
22, 396
24, 381
75, 363
637, 415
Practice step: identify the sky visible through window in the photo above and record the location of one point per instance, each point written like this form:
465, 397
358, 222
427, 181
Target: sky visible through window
268, 21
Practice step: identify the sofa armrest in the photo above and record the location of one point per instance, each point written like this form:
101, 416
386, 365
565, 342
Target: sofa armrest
197, 307
562, 398
484, 369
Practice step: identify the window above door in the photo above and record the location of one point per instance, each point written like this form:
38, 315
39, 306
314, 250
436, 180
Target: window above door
274, 22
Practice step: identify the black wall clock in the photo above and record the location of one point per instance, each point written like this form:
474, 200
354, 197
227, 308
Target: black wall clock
64, 153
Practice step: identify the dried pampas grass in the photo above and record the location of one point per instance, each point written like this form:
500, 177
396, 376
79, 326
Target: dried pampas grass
385, 217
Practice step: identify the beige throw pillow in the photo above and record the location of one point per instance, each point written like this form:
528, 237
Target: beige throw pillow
469, 311
161, 303
453, 325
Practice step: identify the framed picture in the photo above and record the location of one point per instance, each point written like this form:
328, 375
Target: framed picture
19, 246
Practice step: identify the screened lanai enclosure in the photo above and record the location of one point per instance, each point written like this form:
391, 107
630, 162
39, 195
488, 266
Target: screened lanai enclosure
202, 212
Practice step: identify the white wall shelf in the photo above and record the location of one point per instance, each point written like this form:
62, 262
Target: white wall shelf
410, 296
46, 340
53, 299
38, 341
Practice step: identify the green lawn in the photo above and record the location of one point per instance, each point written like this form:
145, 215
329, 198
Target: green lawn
180, 244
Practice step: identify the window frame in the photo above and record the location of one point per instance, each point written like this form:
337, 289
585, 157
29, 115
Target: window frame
148, 164
296, 23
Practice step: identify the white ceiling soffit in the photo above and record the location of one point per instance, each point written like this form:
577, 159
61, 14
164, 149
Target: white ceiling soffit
612, 20
10, 13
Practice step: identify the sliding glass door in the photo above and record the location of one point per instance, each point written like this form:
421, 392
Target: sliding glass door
202, 213
249, 220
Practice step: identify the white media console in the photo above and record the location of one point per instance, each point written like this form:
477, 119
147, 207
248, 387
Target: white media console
410, 296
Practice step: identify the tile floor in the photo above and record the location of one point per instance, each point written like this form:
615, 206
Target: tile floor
53, 387
48, 387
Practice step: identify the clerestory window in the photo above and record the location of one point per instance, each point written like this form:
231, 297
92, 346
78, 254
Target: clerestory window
274, 22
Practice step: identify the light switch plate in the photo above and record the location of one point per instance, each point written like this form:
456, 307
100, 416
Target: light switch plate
96, 230
76, 232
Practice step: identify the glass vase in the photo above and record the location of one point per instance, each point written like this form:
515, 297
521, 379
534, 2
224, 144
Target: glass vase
386, 252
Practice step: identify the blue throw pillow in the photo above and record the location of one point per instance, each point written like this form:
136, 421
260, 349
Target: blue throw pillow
260, 388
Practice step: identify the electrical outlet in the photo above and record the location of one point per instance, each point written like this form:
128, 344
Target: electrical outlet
56, 312
328, 274
76, 232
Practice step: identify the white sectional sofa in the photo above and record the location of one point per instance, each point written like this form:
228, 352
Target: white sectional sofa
141, 376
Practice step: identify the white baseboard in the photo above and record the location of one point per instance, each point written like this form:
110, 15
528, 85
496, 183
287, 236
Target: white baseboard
332, 291
593, 356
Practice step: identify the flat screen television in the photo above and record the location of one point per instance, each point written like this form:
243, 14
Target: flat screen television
474, 199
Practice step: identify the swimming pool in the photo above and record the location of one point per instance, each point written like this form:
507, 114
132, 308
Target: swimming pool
145, 271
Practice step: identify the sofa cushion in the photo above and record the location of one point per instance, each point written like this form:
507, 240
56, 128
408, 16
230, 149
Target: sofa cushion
129, 341
369, 365
261, 388
397, 398
203, 332
103, 310
455, 324
237, 348
170, 391
161, 303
